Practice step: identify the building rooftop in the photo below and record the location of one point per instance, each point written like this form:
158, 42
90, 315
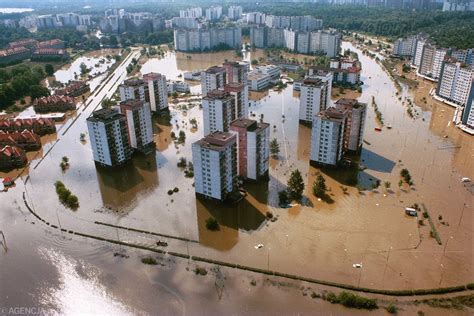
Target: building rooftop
133, 82
256, 76
152, 76
352, 103
131, 103
217, 95
233, 87
215, 70
312, 81
105, 116
217, 141
250, 125
334, 114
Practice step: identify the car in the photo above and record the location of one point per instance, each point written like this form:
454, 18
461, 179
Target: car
411, 211
465, 179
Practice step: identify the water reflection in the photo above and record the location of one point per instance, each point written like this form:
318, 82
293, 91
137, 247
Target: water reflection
246, 216
121, 189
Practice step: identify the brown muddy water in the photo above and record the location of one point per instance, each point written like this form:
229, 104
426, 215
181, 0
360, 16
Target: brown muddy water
323, 240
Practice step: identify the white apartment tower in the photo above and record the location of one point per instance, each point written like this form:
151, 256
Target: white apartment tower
455, 82
213, 78
134, 89
355, 124
140, 131
158, 91
253, 152
108, 136
241, 98
215, 165
327, 136
313, 98
468, 113
218, 109
234, 12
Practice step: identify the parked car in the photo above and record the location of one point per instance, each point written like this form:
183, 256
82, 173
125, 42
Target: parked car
411, 211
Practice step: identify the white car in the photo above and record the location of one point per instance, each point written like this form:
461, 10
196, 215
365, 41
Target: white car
465, 179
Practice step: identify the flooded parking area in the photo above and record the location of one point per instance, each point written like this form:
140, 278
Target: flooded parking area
324, 240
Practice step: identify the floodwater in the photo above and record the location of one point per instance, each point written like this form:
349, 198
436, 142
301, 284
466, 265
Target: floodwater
323, 240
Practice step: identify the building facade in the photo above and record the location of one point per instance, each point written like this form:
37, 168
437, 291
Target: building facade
109, 137
215, 165
134, 89
157, 90
218, 109
214, 78
140, 131
355, 124
455, 82
253, 153
313, 98
203, 39
327, 136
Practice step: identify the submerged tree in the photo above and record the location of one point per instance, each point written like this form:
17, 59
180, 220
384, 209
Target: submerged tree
295, 185
319, 186
274, 148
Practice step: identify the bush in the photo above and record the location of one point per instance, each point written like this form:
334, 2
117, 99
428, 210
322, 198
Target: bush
170, 192
392, 309
352, 300
269, 214
212, 224
149, 260
176, 189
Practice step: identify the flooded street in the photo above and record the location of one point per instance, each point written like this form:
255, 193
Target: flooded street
323, 240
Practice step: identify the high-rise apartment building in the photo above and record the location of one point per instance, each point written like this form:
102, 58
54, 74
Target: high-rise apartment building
157, 90
134, 89
240, 93
213, 78
234, 12
215, 165
455, 82
313, 98
327, 136
218, 109
253, 139
140, 131
109, 137
355, 123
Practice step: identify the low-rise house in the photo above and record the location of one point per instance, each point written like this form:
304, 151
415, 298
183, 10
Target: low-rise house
74, 89
14, 54
54, 43
28, 43
257, 81
26, 140
12, 157
40, 126
54, 103
50, 54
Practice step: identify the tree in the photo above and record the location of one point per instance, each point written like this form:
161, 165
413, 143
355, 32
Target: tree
38, 91
181, 137
274, 148
295, 185
83, 68
49, 69
107, 103
387, 184
319, 187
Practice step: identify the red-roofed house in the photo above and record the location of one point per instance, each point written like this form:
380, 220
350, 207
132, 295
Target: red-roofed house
54, 103
40, 126
27, 140
12, 157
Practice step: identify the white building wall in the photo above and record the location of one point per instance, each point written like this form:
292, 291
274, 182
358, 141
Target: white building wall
310, 102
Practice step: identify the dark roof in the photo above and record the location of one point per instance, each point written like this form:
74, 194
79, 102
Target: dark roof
215, 69
105, 116
250, 125
217, 141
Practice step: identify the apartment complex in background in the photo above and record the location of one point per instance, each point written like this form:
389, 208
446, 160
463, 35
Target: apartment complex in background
191, 13
218, 109
140, 131
313, 98
213, 78
215, 165
253, 153
157, 90
214, 13
109, 137
234, 12
202, 39
304, 42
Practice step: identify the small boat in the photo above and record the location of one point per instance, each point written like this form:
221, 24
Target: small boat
378, 129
